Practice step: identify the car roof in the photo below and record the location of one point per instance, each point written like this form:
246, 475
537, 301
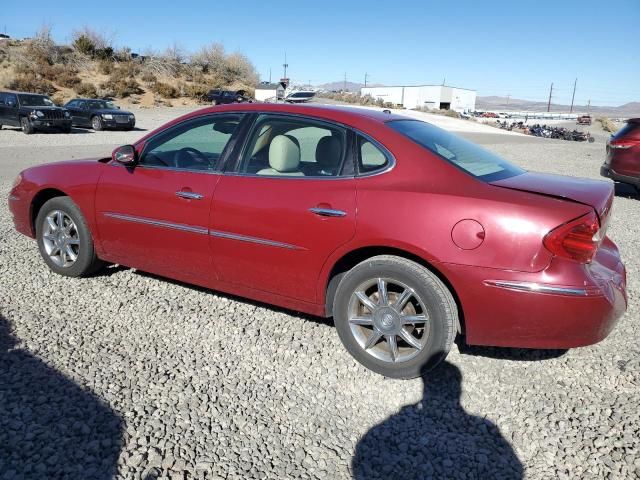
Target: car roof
24, 93
335, 112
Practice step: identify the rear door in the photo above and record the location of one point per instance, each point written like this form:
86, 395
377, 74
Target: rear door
11, 110
289, 203
73, 107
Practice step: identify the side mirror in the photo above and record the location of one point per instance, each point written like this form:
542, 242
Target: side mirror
126, 155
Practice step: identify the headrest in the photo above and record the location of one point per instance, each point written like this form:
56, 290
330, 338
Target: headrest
328, 152
284, 154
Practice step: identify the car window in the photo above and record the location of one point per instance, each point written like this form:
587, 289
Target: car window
370, 157
470, 158
289, 146
193, 145
10, 99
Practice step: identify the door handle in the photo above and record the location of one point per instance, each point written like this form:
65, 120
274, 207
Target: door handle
189, 195
327, 212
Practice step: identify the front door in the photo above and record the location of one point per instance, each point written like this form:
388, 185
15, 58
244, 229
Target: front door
289, 204
155, 215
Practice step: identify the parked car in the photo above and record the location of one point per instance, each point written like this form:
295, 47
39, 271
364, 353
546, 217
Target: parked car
584, 120
31, 112
99, 114
223, 97
402, 232
489, 115
300, 96
622, 163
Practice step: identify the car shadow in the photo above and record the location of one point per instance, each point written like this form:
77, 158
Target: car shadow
626, 191
508, 353
50, 427
436, 438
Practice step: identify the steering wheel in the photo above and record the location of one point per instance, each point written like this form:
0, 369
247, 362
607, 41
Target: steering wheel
189, 157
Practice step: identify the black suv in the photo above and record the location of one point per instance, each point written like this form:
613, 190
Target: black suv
31, 112
221, 97
99, 114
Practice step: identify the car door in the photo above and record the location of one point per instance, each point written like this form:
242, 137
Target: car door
72, 106
155, 215
11, 109
83, 114
289, 204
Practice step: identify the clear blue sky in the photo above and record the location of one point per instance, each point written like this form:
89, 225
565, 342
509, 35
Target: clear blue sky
500, 47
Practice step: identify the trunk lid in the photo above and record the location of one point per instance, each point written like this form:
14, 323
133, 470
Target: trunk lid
594, 193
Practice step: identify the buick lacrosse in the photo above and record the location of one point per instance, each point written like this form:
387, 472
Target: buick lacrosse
405, 234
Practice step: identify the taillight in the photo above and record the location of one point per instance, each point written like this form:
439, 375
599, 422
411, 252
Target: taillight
624, 143
577, 240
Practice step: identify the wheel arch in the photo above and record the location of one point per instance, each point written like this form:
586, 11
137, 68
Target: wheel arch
350, 259
39, 199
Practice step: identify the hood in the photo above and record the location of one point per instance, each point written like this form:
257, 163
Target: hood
43, 109
595, 193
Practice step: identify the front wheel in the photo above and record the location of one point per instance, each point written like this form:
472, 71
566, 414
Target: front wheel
64, 239
27, 127
395, 317
96, 123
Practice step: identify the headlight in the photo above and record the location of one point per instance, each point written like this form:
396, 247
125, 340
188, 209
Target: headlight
66, 114
17, 181
107, 116
131, 117
36, 114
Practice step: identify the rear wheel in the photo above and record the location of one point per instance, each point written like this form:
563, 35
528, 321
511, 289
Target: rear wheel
27, 127
96, 123
64, 239
395, 317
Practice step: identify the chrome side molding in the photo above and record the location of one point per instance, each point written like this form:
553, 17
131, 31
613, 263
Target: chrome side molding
544, 288
261, 241
157, 223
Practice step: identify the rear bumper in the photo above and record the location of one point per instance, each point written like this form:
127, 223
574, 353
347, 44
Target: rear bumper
607, 171
566, 305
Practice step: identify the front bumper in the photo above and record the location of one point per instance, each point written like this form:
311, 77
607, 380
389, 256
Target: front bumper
566, 305
607, 171
44, 123
115, 125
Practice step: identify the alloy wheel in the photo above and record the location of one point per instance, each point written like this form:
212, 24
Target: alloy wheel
60, 238
388, 319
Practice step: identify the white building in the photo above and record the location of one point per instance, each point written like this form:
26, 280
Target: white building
269, 91
430, 96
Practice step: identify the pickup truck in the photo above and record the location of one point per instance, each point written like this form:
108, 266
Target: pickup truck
584, 120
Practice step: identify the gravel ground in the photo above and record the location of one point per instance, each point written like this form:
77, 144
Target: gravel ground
127, 375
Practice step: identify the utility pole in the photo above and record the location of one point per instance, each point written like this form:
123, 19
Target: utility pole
589, 106
550, 93
573, 96
285, 65
365, 79
508, 97
269, 74
344, 88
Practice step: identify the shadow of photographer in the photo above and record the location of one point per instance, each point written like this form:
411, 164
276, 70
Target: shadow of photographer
49, 426
436, 438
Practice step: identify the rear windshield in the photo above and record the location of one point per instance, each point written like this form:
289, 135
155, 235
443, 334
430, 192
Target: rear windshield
465, 155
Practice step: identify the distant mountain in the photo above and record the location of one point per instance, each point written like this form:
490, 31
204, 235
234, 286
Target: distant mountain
631, 109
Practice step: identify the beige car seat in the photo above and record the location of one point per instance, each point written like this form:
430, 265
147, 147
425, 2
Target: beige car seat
284, 158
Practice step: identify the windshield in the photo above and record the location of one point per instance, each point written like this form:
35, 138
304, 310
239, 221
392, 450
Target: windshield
35, 101
302, 94
465, 155
101, 105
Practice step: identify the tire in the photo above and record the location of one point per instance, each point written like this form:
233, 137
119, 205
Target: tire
96, 123
427, 299
77, 237
66, 129
25, 124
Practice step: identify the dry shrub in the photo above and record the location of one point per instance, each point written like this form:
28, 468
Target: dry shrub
197, 91
148, 78
105, 67
86, 90
58, 99
67, 79
121, 87
607, 124
31, 83
164, 90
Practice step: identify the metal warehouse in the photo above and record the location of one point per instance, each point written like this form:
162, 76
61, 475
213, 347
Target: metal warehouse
430, 96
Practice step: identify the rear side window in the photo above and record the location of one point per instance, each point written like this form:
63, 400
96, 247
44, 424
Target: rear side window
371, 158
467, 156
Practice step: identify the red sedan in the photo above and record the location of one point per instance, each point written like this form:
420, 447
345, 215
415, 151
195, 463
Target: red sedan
406, 234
